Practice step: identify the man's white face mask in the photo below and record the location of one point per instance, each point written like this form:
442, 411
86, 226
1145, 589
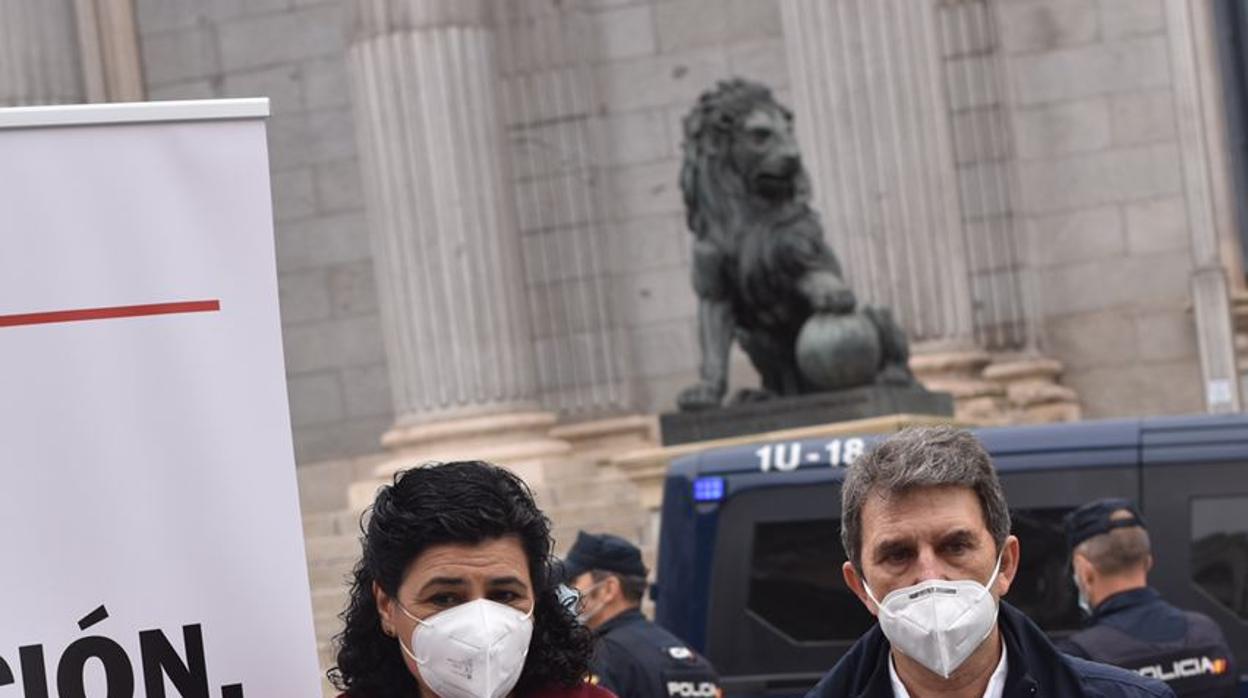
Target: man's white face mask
1084, 605
939, 623
585, 615
473, 650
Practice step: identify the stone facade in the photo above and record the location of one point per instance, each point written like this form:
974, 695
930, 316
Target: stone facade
1102, 200
294, 53
1091, 114
1064, 139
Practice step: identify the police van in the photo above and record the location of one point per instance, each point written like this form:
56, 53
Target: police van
749, 567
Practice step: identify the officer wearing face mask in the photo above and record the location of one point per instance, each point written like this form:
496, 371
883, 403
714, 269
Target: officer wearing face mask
633, 657
1129, 624
927, 534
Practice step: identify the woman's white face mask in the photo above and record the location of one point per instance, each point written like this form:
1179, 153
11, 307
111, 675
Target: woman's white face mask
939, 623
473, 650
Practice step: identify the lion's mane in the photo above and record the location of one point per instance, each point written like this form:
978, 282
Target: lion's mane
715, 194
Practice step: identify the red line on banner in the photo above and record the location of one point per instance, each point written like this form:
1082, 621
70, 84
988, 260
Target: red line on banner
120, 311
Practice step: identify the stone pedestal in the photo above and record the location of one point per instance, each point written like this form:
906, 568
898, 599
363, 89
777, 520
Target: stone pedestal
600, 440
960, 373
520, 441
802, 411
1032, 390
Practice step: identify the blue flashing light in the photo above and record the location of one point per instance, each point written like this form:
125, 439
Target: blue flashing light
708, 489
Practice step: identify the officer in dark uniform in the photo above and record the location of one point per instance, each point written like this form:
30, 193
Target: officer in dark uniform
633, 657
1130, 625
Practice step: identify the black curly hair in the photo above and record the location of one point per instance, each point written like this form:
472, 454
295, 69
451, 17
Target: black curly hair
460, 502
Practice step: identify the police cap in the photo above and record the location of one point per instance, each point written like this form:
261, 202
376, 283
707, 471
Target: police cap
1093, 519
605, 552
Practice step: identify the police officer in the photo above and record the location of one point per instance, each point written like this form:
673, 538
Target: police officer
1130, 624
633, 657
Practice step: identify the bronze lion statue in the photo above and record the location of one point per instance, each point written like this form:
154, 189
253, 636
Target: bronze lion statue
762, 271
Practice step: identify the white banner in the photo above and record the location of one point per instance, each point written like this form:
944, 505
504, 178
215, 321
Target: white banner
150, 537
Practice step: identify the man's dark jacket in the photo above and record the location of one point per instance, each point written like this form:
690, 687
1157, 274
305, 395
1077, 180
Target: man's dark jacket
635, 658
1036, 669
1139, 630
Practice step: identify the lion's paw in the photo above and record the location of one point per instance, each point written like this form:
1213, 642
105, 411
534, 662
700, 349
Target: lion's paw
827, 293
703, 396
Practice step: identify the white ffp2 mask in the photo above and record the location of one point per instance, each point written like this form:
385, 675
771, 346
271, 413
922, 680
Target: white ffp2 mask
474, 650
584, 616
1084, 605
939, 623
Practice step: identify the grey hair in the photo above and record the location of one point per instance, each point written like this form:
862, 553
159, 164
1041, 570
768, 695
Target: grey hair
921, 457
1117, 551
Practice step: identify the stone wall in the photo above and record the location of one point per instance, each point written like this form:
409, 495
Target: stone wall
292, 51
1101, 199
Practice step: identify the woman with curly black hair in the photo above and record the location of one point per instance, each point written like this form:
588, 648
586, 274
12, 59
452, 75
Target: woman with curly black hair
454, 596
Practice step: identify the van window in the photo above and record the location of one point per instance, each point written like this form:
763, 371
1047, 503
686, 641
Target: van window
1220, 550
796, 584
1043, 588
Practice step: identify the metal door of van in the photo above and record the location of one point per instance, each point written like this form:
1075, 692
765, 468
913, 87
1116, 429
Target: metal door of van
1047, 472
780, 613
1195, 501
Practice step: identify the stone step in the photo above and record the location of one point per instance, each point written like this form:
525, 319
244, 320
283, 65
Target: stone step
333, 523
329, 574
608, 486
326, 626
332, 548
594, 513
568, 469
625, 527
331, 600
361, 493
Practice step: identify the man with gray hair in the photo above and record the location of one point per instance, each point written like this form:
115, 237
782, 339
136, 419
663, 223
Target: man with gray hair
927, 534
1129, 624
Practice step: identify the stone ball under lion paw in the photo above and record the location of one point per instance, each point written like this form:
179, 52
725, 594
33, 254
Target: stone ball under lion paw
836, 351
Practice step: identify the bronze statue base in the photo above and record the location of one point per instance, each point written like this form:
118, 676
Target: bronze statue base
801, 411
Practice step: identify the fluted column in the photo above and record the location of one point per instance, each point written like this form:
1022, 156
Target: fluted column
874, 127
440, 207
39, 56
873, 82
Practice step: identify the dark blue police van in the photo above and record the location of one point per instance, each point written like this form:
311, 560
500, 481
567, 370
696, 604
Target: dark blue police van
749, 569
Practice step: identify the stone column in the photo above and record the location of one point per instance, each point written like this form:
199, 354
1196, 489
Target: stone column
108, 37
39, 56
874, 125
445, 246
1202, 149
